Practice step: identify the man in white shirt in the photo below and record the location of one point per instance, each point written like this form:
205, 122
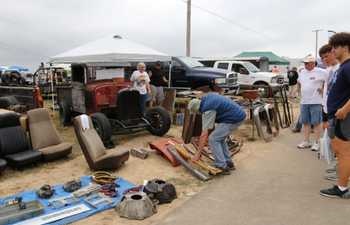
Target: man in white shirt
311, 82
140, 80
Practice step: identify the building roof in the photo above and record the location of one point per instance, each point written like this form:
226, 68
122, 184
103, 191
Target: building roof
273, 58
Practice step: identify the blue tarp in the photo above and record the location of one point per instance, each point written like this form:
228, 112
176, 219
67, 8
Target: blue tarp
59, 192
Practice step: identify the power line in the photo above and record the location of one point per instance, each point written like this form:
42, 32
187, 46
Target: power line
228, 20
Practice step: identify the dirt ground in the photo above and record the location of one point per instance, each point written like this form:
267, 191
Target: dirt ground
135, 170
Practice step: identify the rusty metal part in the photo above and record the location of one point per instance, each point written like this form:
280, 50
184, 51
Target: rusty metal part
182, 150
196, 173
103, 177
136, 205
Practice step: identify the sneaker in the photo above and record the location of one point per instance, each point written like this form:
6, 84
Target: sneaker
331, 176
304, 144
315, 147
230, 165
333, 192
224, 171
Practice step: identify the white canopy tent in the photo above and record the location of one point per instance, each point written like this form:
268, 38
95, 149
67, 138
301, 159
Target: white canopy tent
110, 49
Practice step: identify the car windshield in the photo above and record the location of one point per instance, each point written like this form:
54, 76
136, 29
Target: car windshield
250, 66
190, 62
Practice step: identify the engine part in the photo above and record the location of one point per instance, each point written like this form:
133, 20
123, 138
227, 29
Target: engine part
136, 205
160, 190
72, 186
109, 190
46, 191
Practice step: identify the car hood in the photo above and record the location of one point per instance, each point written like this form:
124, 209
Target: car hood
210, 70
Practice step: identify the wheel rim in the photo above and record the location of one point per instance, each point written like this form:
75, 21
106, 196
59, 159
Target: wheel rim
156, 120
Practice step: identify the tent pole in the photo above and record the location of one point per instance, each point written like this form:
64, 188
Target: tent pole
170, 65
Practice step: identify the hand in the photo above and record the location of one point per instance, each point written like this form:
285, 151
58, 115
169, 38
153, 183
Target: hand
325, 125
341, 114
196, 157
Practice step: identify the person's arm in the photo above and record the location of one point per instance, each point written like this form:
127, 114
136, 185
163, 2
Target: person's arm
208, 123
343, 111
148, 86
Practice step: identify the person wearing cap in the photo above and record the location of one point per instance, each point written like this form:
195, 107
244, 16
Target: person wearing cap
158, 81
310, 83
228, 116
338, 106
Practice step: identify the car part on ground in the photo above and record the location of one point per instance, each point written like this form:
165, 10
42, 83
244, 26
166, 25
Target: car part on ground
160, 190
103, 177
57, 215
161, 146
72, 186
46, 191
93, 149
14, 145
139, 153
196, 173
98, 199
262, 123
87, 190
50, 145
19, 210
183, 151
136, 205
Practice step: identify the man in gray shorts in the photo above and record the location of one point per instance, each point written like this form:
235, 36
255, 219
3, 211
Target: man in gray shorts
158, 81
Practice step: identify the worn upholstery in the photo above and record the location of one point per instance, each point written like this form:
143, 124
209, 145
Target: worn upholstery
3, 164
44, 135
93, 149
14, 146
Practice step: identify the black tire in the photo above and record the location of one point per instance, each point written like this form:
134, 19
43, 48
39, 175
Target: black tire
102, 126
65, 113
159, 119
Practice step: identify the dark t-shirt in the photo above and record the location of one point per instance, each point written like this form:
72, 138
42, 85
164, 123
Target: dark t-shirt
157, 78
339, 92
293, 77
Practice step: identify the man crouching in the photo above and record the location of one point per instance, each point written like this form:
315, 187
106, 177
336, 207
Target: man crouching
228, 115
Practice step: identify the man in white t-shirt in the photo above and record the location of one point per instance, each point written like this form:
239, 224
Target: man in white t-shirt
311, 83
140, 80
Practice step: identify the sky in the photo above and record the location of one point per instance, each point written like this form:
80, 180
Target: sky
34, 30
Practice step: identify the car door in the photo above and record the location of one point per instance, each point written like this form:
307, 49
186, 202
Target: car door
242, 73
178, 75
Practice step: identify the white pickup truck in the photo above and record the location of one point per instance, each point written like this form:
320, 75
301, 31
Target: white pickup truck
248, 74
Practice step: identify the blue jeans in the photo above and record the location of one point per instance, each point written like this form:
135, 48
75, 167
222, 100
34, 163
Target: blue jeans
143, 100
218, 145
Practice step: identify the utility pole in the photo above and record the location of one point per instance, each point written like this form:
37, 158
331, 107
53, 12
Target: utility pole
188, 31
316, 32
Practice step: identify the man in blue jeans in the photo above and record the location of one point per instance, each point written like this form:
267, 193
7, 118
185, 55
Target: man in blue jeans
228, 115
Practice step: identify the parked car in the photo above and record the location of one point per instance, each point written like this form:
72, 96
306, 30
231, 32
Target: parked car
187, 72
113, 106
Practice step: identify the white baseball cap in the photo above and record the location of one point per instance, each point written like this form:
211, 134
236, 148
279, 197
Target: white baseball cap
309, 58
